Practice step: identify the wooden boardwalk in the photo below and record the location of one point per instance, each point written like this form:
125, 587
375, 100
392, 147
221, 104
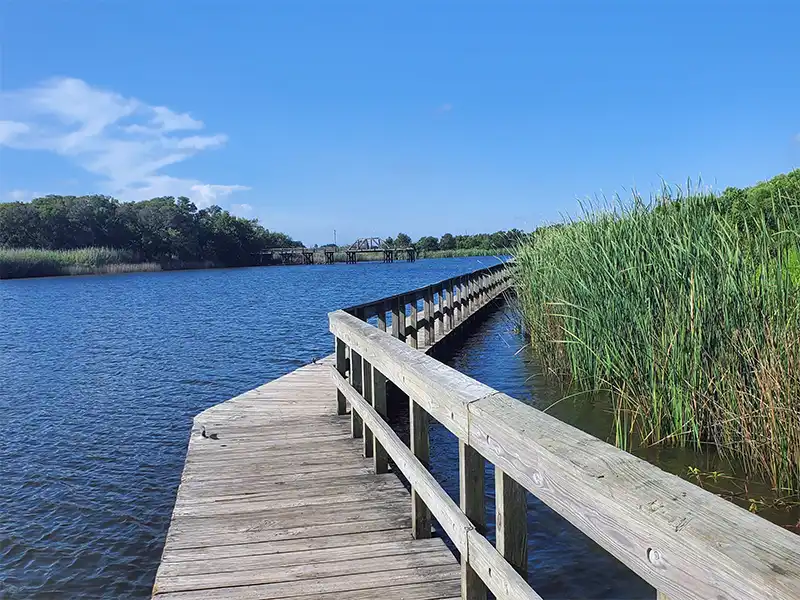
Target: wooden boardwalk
278, 502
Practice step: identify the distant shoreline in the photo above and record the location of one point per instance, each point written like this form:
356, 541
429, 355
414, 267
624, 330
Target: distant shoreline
32, 263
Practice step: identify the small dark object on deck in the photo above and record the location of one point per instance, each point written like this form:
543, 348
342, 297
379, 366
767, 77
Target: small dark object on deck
212, 436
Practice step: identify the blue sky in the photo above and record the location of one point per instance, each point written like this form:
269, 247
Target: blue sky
374, 118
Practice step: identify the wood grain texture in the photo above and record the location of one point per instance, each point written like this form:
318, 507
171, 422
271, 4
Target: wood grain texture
511, 521
472, 494
681, 539
420, 448
280, 502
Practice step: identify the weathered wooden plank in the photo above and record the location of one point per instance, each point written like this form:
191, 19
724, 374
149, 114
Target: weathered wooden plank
511, 521
314, 572
357, 381
379, 456
472, 492
341, 366
413, 339
430, 330
194, 537
420, 448
226, 551
681, 539
367, 446
281, 560
363, 582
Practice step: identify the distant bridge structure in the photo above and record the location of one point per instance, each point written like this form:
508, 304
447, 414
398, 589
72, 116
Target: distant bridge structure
327, 254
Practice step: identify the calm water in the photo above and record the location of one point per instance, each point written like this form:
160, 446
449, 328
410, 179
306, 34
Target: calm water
101, 376
99, 380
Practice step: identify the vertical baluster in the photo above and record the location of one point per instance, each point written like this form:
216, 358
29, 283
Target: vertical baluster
458, 290
380, 459
511, 519
341, 366
471, 468
420, 447
356, 374
382, 317
443, 311
396, 303
414, 338
367, 375
428, 310
399, 316
449, 291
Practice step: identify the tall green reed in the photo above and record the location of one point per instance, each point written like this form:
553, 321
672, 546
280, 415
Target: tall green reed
689, 318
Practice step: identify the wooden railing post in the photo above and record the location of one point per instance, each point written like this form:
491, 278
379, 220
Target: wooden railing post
430, 330
367, 393
380, 459
471, 480
382, 317
511, 521
444, 294
341, 366
356, 380
399, 318
458, 289
449, 293
414, 341
420, 447
465, 310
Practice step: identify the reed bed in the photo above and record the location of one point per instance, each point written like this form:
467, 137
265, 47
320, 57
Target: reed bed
686, 313
35, 262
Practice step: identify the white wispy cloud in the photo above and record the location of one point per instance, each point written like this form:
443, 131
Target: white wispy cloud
124, 141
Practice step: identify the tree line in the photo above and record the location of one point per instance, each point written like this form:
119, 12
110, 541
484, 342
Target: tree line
159, 229
499, 240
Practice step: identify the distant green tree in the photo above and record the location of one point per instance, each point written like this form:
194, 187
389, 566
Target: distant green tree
447, 242
158, 229
403, 240
427, 243
389, 241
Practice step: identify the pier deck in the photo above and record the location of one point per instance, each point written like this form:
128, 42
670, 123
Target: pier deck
279, 502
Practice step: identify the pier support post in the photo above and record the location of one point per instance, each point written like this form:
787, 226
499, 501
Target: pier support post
367, 393
471, 480
356, 380
511, 519
399, 319
420, 447
414, 341
382, 317
430, 330
341, 366
380, 459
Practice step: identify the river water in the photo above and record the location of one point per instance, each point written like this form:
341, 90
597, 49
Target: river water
100, 378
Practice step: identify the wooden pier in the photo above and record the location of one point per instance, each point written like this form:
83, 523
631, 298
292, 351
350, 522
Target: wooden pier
290, 490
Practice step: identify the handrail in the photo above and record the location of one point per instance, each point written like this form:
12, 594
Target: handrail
370, 308
683, 540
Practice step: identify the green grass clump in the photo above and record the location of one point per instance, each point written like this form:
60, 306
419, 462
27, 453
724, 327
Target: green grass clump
35, 262
463, 252
686, 309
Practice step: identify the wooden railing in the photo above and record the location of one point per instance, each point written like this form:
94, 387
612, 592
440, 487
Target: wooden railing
684, 541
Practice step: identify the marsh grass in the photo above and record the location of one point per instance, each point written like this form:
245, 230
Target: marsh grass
32, 262
687, 316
